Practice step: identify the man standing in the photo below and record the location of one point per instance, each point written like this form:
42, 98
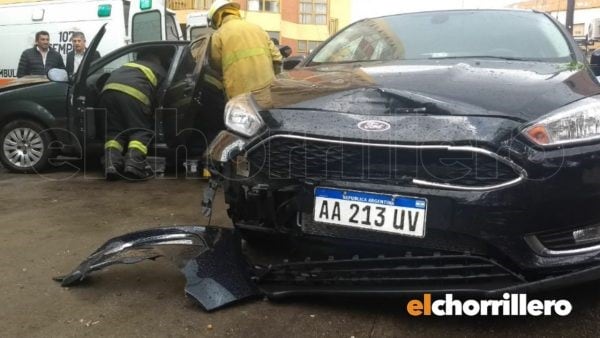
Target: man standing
243, 53
75, 56
39, 59
128, 97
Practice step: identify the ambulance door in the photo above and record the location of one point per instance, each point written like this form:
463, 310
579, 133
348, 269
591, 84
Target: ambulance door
150, 20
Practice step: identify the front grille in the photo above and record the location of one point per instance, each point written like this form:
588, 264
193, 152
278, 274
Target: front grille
408, 272
435, 239
291, 158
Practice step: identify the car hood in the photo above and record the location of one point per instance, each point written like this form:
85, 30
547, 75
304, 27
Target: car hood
13, 83
514, 89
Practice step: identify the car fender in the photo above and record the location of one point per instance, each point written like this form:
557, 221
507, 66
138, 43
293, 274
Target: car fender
24, 109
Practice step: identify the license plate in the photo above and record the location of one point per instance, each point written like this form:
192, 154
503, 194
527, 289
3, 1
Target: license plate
365, 210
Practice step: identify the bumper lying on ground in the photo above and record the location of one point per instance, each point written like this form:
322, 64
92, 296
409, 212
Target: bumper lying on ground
208, 257
219, 273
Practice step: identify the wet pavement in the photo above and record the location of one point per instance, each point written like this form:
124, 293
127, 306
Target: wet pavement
49, 223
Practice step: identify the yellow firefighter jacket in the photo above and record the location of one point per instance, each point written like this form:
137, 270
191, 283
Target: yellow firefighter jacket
244, 54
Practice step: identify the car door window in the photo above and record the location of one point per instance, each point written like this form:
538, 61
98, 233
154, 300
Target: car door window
114, 64
184, 82
171, 27
193, 101
199, 31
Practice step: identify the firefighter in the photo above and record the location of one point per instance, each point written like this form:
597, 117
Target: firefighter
242, 53
128, 97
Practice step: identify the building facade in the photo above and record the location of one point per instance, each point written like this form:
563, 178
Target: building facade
300, 24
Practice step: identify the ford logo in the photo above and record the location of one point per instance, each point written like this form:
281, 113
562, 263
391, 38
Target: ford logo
374, 125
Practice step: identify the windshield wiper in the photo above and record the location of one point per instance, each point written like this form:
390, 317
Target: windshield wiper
482, 57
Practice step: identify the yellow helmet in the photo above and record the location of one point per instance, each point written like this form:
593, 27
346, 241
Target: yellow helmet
215, 7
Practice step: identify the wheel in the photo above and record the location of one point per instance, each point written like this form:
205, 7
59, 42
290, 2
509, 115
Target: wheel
24, 146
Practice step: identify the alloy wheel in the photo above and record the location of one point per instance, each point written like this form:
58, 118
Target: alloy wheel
23, 147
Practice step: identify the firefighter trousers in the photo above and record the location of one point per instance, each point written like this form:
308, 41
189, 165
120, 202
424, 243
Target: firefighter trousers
127, 119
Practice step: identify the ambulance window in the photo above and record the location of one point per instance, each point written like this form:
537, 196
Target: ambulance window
146, 27
171, 27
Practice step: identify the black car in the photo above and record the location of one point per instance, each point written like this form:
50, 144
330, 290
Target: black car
470, 134
448, 151
41, 120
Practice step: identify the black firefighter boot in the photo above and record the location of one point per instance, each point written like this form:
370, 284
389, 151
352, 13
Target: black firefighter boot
113, 164
136, 166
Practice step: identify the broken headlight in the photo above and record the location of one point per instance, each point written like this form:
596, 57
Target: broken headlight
241, 115
573, 123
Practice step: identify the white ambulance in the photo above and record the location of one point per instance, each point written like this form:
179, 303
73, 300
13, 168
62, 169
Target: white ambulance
197, 25
127, 21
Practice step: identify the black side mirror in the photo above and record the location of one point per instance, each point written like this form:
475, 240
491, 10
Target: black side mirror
595, 62
292, 62
285, 51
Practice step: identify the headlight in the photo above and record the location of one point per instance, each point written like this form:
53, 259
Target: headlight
241, 115
576, 122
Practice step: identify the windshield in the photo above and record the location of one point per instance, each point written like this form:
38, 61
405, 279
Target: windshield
450, 34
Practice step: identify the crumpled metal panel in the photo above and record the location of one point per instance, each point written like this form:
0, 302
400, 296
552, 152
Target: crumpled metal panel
209, 257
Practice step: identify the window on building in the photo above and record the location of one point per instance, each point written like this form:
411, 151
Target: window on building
579, 29
263, 5
203, 4
307, 46
313, 12
273, 35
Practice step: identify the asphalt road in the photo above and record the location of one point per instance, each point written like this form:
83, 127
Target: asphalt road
49, 223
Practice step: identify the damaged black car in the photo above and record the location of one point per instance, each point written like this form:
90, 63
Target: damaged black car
461, 148
448, 151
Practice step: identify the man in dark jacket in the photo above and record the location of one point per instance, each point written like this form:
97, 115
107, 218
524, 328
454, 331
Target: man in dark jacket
75, 56
39, 59
128, 97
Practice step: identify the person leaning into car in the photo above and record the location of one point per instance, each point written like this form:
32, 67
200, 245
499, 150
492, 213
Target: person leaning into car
75, 56
128, 97
242, 52
39, 59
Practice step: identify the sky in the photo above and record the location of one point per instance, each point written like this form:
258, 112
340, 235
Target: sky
370, 8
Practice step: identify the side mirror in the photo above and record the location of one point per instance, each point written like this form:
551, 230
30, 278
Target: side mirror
285, 51
58, 75
292, 62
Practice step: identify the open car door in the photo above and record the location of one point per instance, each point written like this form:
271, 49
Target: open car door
192, 112
79, 120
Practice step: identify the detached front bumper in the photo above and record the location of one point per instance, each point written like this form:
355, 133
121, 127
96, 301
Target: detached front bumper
209, 257
219, 273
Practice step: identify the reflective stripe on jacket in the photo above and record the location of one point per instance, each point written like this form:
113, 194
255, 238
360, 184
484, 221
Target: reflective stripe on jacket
244, 54
137, 79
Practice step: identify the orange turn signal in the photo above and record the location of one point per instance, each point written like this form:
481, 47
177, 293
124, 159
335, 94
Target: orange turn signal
538, 134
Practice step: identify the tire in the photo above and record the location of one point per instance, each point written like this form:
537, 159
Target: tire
24, 147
